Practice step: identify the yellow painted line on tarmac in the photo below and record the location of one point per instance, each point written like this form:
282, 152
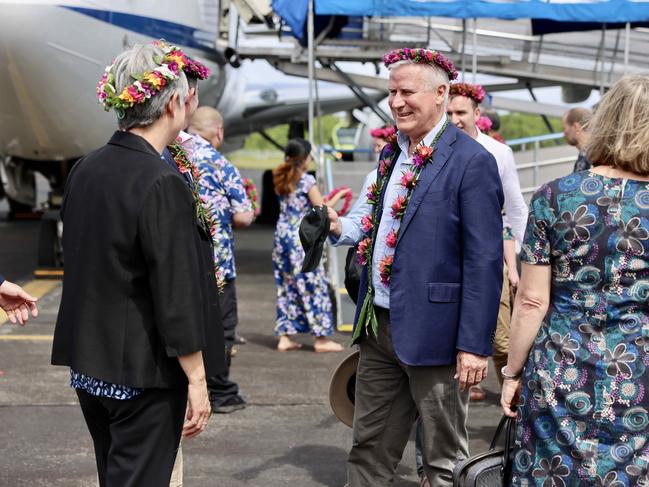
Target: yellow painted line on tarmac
342, 290
37, 288
346, 327
27, 338
48, 273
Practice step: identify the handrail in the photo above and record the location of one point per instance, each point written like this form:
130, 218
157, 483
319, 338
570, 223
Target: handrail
534, 138
549, 162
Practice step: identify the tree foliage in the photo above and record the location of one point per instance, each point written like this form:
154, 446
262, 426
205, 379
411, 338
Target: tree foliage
512, 126
279, 133
519, 125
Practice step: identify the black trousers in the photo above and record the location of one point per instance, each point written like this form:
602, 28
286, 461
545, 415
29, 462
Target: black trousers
221, 388
135, 440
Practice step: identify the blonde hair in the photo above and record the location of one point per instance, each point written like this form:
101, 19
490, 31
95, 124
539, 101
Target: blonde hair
619, 129
205, 122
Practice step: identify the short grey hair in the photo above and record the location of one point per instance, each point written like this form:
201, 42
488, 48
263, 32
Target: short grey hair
433, 75
137, 60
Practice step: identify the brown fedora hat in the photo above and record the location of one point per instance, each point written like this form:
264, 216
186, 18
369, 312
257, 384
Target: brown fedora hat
342, 388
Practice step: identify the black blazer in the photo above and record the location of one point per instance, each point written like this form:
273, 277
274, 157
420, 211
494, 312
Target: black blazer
136, 287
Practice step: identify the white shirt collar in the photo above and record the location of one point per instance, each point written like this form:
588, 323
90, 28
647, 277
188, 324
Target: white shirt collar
404, 141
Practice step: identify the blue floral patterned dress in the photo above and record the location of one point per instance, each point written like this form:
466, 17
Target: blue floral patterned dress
303, 303
584, 414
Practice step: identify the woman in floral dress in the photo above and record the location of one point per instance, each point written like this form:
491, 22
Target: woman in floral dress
303, 303
582, 313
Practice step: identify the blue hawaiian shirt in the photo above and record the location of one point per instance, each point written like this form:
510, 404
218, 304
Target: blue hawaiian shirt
221, 186
97, 387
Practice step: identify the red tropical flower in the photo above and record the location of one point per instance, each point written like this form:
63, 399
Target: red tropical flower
385, 269
424, 151
362, 251
408, 179
399, 207
366, 223
391, 239
373, 193
384, 166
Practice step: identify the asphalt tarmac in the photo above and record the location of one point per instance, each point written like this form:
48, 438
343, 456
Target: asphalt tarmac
286, 436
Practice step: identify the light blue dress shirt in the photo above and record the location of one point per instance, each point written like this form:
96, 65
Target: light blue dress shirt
351, 224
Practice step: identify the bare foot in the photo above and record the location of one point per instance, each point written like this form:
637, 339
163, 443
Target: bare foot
476, 393
285, 344
324, 345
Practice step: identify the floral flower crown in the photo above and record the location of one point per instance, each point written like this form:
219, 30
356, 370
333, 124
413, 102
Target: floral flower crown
475, 92
148, 83
421, 56
383, 133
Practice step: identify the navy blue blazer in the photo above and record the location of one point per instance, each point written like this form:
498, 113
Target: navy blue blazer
448, 264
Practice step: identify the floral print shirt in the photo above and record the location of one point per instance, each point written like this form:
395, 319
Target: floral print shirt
97, 387
222, 187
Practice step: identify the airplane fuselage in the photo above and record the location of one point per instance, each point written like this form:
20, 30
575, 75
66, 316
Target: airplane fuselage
52, 56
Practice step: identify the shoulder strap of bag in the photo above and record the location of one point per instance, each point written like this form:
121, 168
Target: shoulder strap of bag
503, 421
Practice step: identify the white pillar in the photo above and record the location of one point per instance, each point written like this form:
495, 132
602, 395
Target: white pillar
627, 46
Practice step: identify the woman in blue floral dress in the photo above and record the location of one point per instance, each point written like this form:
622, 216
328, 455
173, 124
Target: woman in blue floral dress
303, 303
580, 328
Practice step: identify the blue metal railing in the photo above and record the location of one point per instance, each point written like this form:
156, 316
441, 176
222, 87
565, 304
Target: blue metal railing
534, 139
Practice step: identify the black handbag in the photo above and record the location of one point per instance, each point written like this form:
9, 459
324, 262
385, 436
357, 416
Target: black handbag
352, 273
491, 468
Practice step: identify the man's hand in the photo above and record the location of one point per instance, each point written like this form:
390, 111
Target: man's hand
198, 410
335, 227
17, 303
471, 369
514, 278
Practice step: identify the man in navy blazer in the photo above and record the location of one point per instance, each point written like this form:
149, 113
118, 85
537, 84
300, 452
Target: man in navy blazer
430, 290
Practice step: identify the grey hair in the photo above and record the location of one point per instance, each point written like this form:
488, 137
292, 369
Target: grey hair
137, 60
432, 75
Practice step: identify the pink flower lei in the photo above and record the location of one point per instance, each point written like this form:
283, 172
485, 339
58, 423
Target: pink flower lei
421, 56
475, 92
149, 83
422, 156
384, 132
251, 193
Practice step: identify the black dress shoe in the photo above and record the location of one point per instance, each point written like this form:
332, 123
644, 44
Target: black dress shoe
229, 405
239, 340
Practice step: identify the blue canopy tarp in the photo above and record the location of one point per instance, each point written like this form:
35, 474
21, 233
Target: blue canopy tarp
294, 14
600, 11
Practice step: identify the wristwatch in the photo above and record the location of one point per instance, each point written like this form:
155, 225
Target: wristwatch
504, 373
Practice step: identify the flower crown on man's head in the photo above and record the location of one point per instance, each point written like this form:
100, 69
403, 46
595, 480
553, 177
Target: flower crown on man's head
384, 132
421, 56
475, 92
148, 83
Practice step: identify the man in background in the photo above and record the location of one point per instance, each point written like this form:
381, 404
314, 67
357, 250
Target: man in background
576, 134
464, 111
222, 188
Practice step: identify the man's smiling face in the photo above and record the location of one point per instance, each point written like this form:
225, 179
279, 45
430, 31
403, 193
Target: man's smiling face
416, 105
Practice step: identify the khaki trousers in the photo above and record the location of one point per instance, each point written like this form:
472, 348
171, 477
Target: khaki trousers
177, 474
388, 395
501, 339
